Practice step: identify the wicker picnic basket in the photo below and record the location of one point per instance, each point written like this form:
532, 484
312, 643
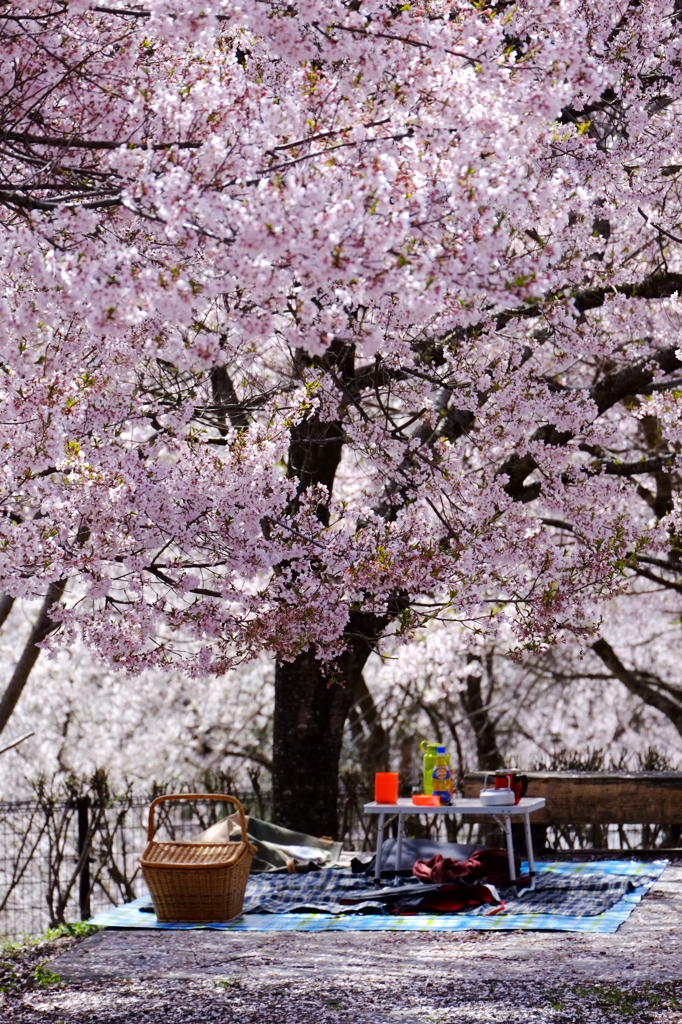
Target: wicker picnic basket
195, 881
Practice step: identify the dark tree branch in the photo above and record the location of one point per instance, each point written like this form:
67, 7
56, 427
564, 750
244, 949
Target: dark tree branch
634, 379
651, 465
226, 399
6, 603
644, 686
27, 203
489, 757
629, 381
668, 584
42, 627
656, 286
66, 142
316, 445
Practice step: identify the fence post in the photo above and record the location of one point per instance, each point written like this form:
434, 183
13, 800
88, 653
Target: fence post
83, 805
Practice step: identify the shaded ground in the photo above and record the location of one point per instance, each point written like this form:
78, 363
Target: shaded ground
415, 978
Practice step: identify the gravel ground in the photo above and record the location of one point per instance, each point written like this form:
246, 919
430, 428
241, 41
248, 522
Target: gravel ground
427, 1002
359, 978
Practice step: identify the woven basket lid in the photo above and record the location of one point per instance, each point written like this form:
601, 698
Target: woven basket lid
194, 855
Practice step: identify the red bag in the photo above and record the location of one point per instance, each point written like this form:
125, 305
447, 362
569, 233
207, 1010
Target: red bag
485, 863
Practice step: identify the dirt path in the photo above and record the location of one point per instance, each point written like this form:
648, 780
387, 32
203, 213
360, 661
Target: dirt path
415, 978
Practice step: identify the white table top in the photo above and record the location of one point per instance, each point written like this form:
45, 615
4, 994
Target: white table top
459, 805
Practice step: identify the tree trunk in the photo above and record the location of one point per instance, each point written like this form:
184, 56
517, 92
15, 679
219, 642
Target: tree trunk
310, 711
310, 714
489, 757
309, 719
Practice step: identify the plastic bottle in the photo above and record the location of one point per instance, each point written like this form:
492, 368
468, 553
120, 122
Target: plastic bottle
442, 777
430, 756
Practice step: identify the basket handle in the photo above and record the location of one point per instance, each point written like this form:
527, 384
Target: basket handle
223, 798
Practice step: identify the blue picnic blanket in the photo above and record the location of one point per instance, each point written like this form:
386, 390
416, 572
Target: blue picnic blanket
533, 916
582, 894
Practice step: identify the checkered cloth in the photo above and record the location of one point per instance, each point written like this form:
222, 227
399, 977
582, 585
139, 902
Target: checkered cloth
319, 891
583, 893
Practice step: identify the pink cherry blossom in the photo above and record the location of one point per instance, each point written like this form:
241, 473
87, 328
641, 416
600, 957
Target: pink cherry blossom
435, 246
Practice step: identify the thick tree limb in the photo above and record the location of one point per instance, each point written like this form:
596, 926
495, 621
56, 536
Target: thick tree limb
67, 142
634, 379
27, 203
226, 398
6, 603
316, 445
651, 465
670, 564
655, 286
668, 584
631, 380
488, 754
645, 686
42, 627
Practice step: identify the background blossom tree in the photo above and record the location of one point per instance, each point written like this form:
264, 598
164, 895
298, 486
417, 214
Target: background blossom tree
323, 320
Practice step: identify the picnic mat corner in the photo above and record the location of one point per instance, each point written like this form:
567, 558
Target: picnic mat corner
642, 876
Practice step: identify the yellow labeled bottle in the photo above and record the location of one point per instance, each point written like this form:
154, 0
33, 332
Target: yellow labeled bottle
442, 777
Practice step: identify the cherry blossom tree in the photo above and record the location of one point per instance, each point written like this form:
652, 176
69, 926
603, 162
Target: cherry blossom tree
321, 320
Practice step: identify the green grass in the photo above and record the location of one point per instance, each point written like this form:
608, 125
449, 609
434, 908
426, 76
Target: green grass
23, 961
630, 1002
74, 930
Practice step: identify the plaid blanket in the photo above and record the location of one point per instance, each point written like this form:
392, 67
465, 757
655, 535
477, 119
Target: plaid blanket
319, 891
582, 893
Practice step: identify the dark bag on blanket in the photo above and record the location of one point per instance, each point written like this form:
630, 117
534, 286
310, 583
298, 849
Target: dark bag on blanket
449, 899
489, 864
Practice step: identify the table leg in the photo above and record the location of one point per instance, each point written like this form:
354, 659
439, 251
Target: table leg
380, 843
529, 851
510, 848
399, 846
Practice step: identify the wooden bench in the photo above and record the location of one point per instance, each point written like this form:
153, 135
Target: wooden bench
598, 799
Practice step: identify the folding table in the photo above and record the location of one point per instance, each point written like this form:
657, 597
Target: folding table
464, 805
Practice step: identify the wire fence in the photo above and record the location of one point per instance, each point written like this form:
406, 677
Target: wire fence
67, 859
73, 850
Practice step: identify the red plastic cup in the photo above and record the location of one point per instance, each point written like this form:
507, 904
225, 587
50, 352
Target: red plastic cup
386, 787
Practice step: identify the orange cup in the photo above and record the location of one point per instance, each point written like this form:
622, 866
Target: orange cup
386, 787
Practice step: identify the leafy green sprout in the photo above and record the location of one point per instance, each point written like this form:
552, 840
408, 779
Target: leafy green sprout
12, 951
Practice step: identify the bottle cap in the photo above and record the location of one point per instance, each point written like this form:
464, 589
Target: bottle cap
440, 750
